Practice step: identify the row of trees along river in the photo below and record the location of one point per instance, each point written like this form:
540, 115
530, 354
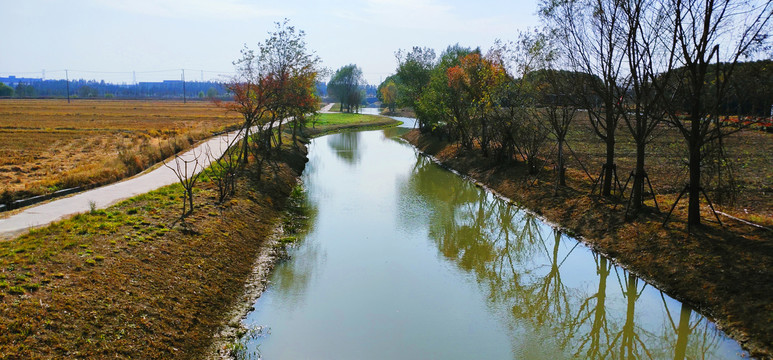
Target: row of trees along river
643, 65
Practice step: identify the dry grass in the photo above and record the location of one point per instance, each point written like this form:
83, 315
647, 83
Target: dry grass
666, 164
130, 281
50, 144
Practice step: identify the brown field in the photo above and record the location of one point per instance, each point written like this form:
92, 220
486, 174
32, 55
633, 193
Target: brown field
748, 158
49, 144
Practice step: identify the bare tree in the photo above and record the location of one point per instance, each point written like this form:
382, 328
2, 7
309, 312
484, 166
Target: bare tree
224, 168
706, 31
589, 32
642, 107
187, 172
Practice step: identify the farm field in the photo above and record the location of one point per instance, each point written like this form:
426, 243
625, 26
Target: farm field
50, 145
745, 189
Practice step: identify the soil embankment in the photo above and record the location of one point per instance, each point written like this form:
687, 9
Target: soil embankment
132, 281
725, 273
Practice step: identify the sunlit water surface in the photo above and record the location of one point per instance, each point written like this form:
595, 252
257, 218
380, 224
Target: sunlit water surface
405, 260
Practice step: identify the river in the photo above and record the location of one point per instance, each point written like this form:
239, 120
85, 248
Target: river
405, 260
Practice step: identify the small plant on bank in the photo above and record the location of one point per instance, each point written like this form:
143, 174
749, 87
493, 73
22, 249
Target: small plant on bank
188, 172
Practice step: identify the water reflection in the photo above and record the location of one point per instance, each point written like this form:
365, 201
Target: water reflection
344, 146
562, 298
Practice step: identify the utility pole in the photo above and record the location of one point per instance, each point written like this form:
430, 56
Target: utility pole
67, 79
184, 86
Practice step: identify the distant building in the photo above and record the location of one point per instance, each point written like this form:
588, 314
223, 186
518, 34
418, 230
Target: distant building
12, 81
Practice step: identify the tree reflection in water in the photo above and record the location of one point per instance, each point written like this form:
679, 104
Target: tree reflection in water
345, 145
519, 261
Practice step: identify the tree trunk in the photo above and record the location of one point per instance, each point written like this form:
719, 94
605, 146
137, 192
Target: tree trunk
190, 199
606, 187
561, 166
694, 206
637, 196
484, 137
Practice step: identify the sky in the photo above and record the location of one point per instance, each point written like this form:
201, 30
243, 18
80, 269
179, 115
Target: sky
155, 39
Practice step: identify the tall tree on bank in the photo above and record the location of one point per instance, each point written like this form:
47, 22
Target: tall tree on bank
387, 93
292, 70
345, 87
642, 106
589, 33
276, 83
706, 31
414, 71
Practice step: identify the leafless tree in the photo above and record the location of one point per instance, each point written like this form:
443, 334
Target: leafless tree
224, 167
642, 106
187, 172
589, 33
706, 31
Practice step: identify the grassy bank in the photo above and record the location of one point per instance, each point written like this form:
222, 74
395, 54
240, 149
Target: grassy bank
725, 273
132, 281
334, 122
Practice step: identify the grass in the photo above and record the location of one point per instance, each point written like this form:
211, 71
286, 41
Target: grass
748, 152
725, 272
50, 145
131, 281
331, 122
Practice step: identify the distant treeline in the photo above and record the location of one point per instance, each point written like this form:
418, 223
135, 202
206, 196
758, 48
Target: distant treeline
167, 89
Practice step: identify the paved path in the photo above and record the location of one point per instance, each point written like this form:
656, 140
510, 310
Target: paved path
326, 109
102, 197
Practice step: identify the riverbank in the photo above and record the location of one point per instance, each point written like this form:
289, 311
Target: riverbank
132, 281
725, 273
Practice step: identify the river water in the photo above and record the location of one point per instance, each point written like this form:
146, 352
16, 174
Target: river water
405, 260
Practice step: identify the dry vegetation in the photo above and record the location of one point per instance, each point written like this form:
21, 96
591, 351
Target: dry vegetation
724, 272
50, 144
748, 160
130, 281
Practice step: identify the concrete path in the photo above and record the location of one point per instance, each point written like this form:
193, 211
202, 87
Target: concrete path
102, 197
326, 109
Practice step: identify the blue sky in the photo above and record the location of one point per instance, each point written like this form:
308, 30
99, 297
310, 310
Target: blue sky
110, 39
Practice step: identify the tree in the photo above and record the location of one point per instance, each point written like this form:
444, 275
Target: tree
25, 91
6, 90
275, 85
519, 130
479, 79
642, 106
706, 31
414, 72
187, 170
86, 91
211, 93
387, 93
442, 107
345, 87
589, 34
557, 101
292, 71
